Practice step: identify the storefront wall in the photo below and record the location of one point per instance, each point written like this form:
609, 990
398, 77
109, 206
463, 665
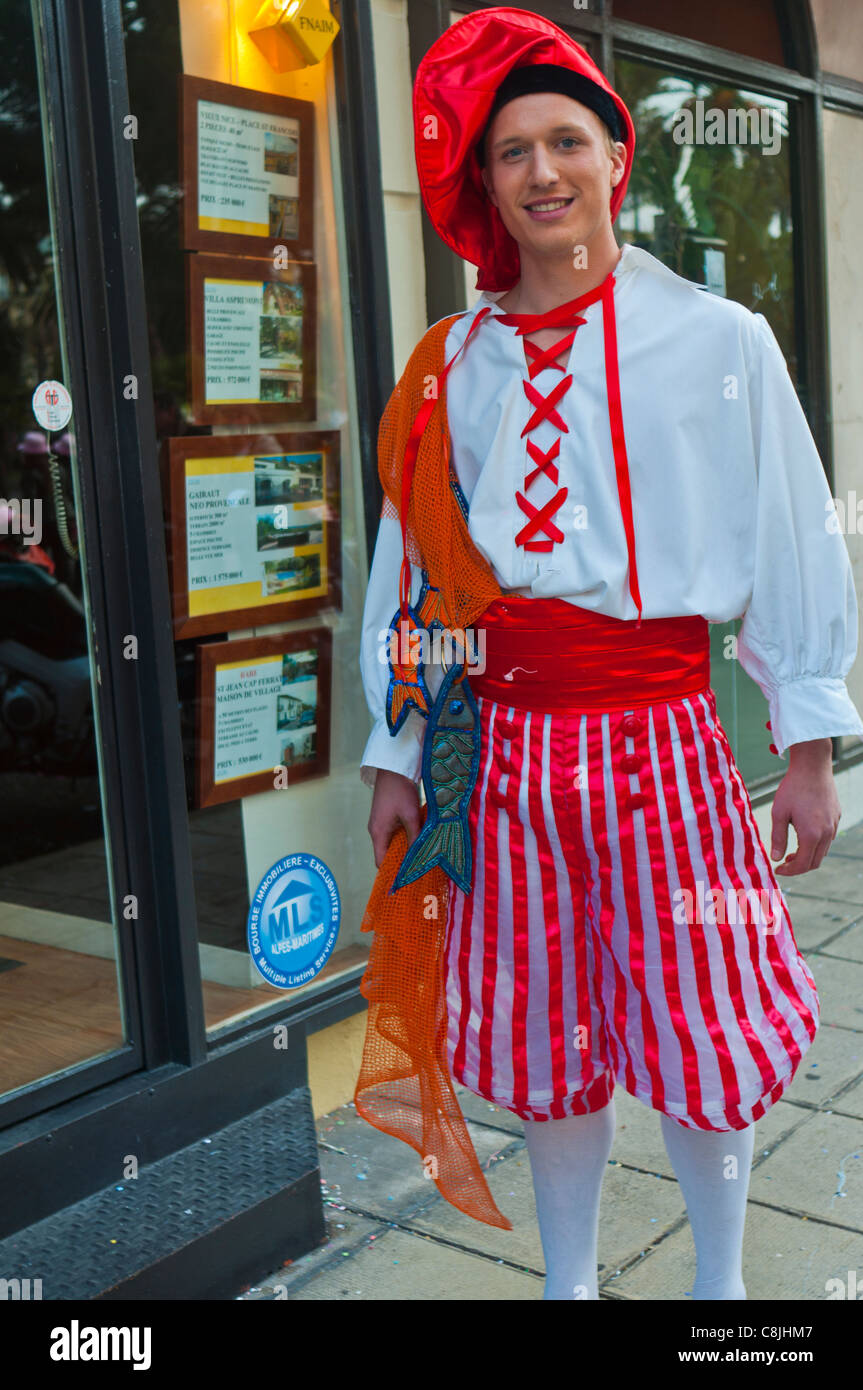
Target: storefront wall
843, 196
160, 1108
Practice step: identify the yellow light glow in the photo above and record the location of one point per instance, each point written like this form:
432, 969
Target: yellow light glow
293, 34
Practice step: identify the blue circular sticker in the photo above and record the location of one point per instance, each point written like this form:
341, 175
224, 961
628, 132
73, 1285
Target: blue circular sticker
294, 920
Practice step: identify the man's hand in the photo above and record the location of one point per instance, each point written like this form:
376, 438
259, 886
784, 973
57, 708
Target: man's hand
395, 802
806, 798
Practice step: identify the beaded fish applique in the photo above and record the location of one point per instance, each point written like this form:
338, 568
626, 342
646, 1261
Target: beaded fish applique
407, 685
450, 764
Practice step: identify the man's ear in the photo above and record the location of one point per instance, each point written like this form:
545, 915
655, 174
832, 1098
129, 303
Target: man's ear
618, 172
486, 183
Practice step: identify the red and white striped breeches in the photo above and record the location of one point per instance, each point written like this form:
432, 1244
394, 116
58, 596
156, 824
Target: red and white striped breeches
581, 957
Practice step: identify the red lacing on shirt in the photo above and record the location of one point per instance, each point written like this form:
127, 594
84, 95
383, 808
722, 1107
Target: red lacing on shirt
540, 518
566, 315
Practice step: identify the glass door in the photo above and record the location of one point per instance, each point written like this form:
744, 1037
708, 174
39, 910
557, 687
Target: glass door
61, 1001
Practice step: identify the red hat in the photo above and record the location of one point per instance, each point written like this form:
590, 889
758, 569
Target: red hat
454, 91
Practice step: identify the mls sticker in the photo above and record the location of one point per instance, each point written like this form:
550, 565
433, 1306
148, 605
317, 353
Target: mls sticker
293, 921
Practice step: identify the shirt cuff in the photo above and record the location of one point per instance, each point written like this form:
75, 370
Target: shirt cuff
812, 707
401, 752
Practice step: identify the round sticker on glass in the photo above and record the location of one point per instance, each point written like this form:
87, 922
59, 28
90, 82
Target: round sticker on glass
294, 921
52, 405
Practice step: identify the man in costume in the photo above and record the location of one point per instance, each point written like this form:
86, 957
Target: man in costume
581, 473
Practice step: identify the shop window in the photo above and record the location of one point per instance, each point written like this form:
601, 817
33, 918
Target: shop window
243, 246
60, 998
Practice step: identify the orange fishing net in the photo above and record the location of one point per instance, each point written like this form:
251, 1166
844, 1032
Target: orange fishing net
438, 535
404, 1086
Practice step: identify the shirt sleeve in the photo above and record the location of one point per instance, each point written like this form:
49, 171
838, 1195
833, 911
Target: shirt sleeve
401, 752
798, 639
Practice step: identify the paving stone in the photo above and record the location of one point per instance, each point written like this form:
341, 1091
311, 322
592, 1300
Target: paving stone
809, 1170
848, 944
408, 1267
785, 1258
781, 1121
834, 1058
817, 920
839, 878
380, 1174
639, 1144
475, 1108
635, 1209
851, 1101
345, 1230
638, 1137
840, 990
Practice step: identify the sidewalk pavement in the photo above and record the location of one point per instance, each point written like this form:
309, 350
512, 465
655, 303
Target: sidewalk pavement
392, 1236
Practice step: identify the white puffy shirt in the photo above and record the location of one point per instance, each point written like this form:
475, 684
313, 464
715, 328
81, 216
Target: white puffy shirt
732, 512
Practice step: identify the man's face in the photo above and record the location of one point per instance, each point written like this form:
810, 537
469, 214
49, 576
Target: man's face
548, 148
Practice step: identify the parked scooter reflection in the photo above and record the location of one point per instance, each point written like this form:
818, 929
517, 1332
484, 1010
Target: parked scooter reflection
46, 722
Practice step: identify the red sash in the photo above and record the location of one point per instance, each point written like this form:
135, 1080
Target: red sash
547, 654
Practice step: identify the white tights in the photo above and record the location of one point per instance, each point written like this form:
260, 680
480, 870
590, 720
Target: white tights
568, 1158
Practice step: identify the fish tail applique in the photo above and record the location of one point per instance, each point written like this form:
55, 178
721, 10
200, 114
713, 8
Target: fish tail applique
441, 842
431, 609
403, 694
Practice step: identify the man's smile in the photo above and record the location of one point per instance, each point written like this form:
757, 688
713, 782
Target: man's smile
546, 208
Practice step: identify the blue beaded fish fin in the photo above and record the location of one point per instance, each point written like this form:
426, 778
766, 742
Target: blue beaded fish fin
446, 841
